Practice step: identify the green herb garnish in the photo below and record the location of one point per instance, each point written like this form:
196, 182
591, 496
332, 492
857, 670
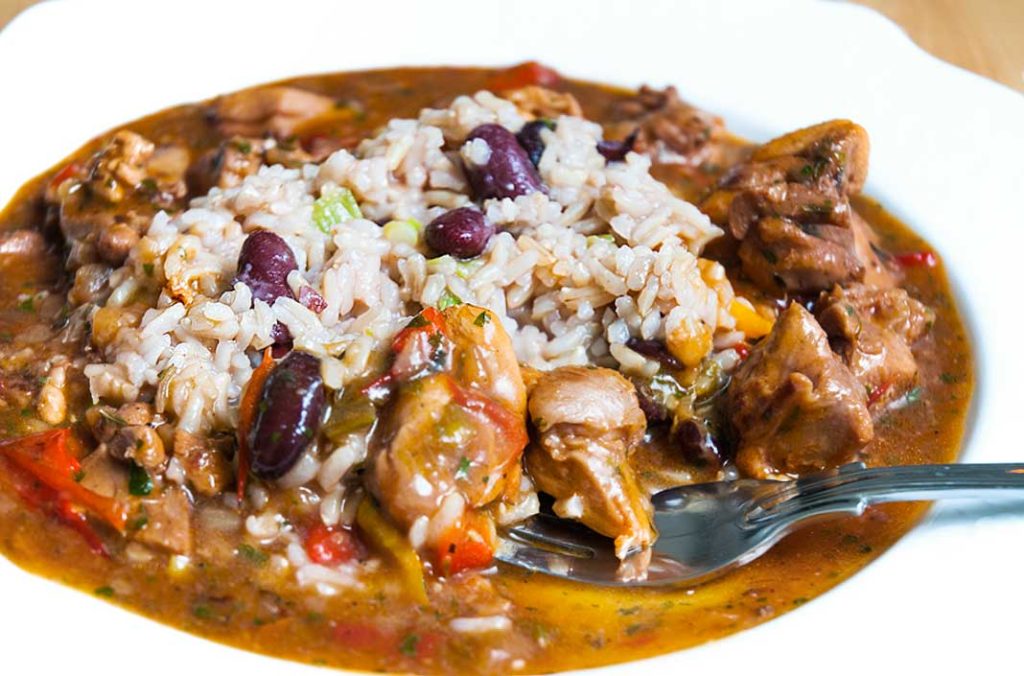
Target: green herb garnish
139, 483
252, 555
104, 591
447, 300
463, 469
482, 318
408, 645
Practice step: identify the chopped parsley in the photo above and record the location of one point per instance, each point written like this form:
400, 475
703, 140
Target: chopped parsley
242, 146
447, 300
482, 318
148, 269
408, 645
108, 592
27, 305
254, 556
112, 417
463, 469
139, 483
913, 396
949, 378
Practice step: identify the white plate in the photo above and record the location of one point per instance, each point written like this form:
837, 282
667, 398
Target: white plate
947, 154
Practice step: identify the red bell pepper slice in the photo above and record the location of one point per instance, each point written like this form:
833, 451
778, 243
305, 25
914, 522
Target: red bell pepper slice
247, 415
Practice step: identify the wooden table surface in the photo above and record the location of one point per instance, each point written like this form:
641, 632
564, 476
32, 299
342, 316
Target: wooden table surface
985, 36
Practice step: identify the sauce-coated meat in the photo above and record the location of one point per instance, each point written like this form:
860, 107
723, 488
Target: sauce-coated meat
588, 421
795, 406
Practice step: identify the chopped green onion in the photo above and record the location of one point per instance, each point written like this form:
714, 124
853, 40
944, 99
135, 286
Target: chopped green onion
403, 232
334, 206
594, 239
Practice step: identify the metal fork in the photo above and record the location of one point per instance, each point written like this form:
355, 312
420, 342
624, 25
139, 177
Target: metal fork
707, 529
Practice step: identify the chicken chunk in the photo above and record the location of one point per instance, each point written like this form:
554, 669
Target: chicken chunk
873, 330
277, 111
795, 406
789, 208
541, 102
120, 167
455, 425
588, 422
205, 461
666, 127
166, 521
439, 438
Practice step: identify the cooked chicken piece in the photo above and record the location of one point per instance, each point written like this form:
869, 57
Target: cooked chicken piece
782, 254
267, 110
166, 521
789, 208
17, 244
120, 167
205, 461
588, 422
483, 357
439, 438
456, 425
795, 406
541, 102
666, 127
872, 330
226, 166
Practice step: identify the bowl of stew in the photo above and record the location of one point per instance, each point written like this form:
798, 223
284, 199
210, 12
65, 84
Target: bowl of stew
281, 363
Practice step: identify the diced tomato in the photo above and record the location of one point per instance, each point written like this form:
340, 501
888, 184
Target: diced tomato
522, 75
916, 259
64, 174
332, 545
421, 345
876, 393
468, 544
46, 457
366, 637
429, 322
511, 429
742, 350
247, 415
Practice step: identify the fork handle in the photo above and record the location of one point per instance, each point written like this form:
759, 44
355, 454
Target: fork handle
851, 488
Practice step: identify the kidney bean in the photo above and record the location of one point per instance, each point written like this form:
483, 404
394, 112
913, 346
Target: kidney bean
289, 415
529, 138
616, 151
462, 232
264, 264
697, 444
508, 171
656, 350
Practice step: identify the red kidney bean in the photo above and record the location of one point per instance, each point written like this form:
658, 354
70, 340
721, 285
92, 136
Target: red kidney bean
529, 138
264, 264
615, 151
656, 350
289, 415
462, 232
508, 171
697, 444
